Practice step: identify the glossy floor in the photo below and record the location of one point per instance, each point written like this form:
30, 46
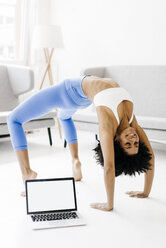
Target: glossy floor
133, 223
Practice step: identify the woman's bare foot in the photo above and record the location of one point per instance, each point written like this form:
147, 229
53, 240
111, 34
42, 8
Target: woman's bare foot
30, 175
76, 167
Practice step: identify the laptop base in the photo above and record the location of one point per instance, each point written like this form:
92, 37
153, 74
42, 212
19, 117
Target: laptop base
56, 223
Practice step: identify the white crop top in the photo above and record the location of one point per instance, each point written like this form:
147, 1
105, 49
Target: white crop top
111, 98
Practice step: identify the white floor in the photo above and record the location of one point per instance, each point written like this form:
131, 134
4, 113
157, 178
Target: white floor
133, 223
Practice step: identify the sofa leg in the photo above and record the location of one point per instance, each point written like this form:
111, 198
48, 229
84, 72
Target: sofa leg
49, 135
4, 135
65, 143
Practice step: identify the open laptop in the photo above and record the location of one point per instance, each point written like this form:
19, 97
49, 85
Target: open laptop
52, 203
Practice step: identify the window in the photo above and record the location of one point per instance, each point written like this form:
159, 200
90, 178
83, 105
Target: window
11, 29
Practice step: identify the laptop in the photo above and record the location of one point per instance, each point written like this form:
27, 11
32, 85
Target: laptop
52, 203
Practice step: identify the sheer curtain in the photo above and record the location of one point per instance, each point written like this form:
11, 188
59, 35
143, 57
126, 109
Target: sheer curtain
31, 21
17, 18
11, 26
38, 12
31, 12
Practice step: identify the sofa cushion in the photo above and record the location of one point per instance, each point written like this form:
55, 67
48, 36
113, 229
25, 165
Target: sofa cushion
89, 116
50, 115
152, 122
3, 116
7, 99
85, 116
147, 86
35, 124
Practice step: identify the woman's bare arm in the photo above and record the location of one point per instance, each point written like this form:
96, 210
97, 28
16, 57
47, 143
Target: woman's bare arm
149, 175
106, 140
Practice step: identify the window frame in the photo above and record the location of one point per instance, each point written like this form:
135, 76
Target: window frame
22, 36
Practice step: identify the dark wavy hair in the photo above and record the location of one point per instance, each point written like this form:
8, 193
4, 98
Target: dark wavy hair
124, 163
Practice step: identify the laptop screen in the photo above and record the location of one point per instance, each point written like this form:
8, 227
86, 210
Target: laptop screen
50, 195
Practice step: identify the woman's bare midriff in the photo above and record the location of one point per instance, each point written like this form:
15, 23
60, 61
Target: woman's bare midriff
92, 85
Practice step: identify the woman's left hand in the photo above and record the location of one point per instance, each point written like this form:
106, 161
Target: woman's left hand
101, 206
137, 194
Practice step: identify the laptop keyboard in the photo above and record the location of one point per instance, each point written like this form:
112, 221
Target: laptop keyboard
54, 216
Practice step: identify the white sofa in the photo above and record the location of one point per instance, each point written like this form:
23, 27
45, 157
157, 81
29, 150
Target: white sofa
147, 86
15, 81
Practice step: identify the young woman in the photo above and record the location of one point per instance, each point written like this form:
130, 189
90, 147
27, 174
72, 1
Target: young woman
123, 147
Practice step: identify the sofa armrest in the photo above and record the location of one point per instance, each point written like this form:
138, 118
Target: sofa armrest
21, 79
94, 71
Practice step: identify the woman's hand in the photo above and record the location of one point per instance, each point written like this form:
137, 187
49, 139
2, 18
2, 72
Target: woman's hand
137, 194
101, 206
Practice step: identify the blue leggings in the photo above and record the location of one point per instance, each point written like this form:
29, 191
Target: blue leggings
67, 96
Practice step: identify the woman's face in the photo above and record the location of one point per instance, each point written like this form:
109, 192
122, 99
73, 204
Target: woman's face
129, 140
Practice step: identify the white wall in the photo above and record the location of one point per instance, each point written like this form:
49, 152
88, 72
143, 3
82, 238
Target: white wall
106, 32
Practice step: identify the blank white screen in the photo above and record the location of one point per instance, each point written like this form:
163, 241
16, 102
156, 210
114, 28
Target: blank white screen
50, 195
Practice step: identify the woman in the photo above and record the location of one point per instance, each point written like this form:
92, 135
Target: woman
118, 129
